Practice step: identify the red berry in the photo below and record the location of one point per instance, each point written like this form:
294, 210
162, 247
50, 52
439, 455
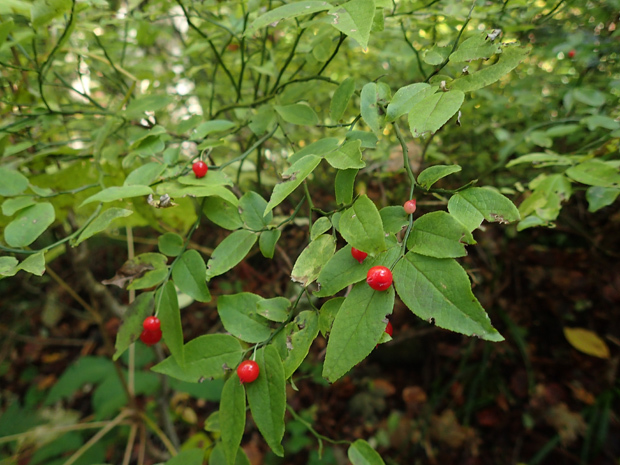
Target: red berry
389, 329
248, 371
358, 254
150, 337
200, 169
571, 54
410, 206
379, 278
151, 323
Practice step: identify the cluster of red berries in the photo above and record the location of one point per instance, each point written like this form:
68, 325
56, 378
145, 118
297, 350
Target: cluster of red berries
152, 331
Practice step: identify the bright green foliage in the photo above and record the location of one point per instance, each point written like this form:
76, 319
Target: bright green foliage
264, 92
267, 398
233, 421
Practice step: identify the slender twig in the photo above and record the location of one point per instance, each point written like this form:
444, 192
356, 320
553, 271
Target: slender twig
160, 434
415, 51
320, 438
333, 55
130, 442
57, 429
288, 60
254, 146
97, 437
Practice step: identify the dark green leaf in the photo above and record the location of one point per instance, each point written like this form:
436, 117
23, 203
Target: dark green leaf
406, 98
29, 224
240, 317
190, 274
328, 314
312, 259
117, 193
170, 244
439, 234
286, 12
232, 423
431, 113
167, 309
251, 207
267, 242
131, 325
357, 328
472, 205
432, 174
187, 457
355, 19
267, 398
102, 222
206, 357
13, 182
345, 182
341, 99
87, 369
292, 178
230, 252
361, 453
346, 157
298, 113
222, 213
275, 309
361, 226
439, 291
595, 173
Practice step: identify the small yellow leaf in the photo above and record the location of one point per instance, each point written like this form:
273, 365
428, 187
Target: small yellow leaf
587, 342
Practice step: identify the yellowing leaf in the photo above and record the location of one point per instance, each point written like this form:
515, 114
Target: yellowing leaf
587, 342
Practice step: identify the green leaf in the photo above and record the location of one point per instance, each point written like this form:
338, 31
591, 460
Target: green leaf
34, 264
312, 259
102, 222
321, 148
187, 457
472, 205
361, 226
432, 174
131, 326
599, 197
222, 213
540, 160
190, 276
7, 266
43, 11
209, 127
475, 48
595, 173
345, 183
167, 309
431, 113
328, 313
232, 423
292, 178
591, 97
267, 398
87, 370
29, 224
394, 219
545, 201
292, 10
436, 55
275, 309
117, 193
205, 357
13, 182
218, 456
230, 252
439, 234
341, 99
295, 340
251, 207
170, 244
267, 242
145, 175
355, 19
10, 206
320, 226
361, 453
175, 190
406, 98
509, 59
342, 269
346, 157
438, 290
213, 178
357, 328
370, 107
240, 317
298, 113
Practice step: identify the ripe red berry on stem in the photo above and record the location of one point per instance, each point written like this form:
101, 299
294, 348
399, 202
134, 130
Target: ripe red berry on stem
389, 329
571, 54
379, 278
151, 323
248, 371
150, 337
200, 169
410, 206
358, 254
